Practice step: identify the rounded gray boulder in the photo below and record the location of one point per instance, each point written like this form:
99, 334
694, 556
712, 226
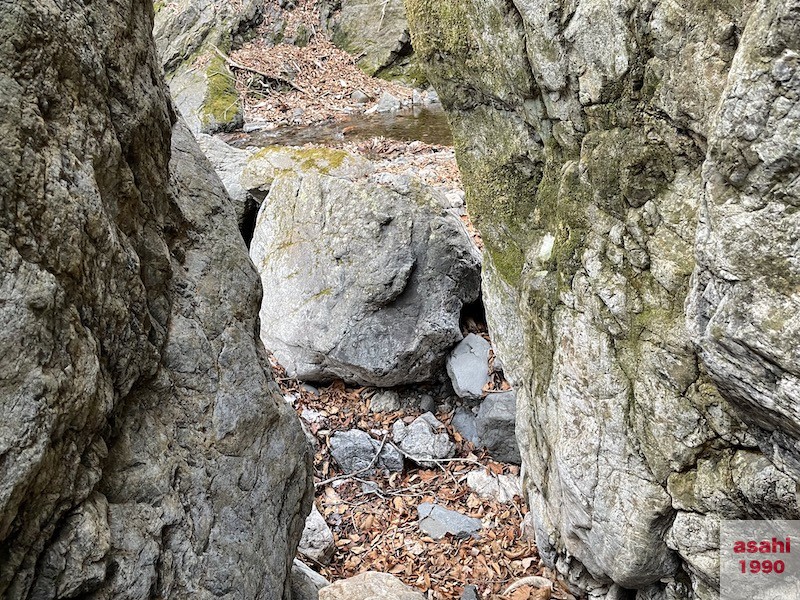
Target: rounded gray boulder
361, 282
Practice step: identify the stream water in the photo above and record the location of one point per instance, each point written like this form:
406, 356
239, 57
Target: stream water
427, 125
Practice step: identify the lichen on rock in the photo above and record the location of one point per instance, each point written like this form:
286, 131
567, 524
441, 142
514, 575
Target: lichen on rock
146, 451
597, 166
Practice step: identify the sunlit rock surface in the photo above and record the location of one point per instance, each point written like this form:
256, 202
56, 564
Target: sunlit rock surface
632, 167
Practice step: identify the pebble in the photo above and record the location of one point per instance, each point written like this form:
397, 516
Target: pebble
438, 521
385, 401
359, 97
468, 367
422, 440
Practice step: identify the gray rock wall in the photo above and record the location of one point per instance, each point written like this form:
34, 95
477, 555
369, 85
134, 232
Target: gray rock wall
632, 169
144, 450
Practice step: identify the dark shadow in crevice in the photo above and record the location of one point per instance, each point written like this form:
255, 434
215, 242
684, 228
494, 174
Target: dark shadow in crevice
473, 318
247, 224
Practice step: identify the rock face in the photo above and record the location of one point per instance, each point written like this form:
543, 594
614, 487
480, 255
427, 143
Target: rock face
361, 282
189, 35
145, 449
376, 32
602, 158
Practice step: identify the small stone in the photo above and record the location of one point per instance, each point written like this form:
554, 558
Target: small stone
456, 199
470, 593
253, 126
496, 426
386, 103
501, 488
369, 487
359, 97
370, 586
309, 415
432, 97
468, 367
427, 403
354, 450
310, 389
437, 522
317, 542
310, 438
385, 401
463, 422
422, 441
306, 583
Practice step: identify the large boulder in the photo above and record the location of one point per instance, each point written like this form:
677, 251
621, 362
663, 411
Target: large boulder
362, 282
247, 174
146, 451
601, 156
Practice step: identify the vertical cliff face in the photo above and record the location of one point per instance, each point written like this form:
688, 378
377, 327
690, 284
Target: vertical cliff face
605, 146
144, 449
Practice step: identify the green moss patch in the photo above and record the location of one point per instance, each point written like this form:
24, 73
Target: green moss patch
221, 104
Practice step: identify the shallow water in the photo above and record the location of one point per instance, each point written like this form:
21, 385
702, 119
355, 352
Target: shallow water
427, 125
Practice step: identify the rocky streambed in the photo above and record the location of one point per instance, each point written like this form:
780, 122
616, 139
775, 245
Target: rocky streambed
371, 281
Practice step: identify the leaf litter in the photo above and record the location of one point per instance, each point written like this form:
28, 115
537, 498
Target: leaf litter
374, 518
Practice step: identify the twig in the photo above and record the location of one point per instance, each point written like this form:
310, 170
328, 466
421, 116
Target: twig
421, 460
272, 78
407, 492
383, 14
359, 471
533, 581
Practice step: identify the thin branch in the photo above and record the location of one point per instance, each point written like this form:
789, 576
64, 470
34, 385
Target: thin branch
533, 581
270, 78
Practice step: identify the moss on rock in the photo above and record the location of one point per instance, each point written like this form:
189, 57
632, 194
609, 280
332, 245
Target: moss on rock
221, 104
